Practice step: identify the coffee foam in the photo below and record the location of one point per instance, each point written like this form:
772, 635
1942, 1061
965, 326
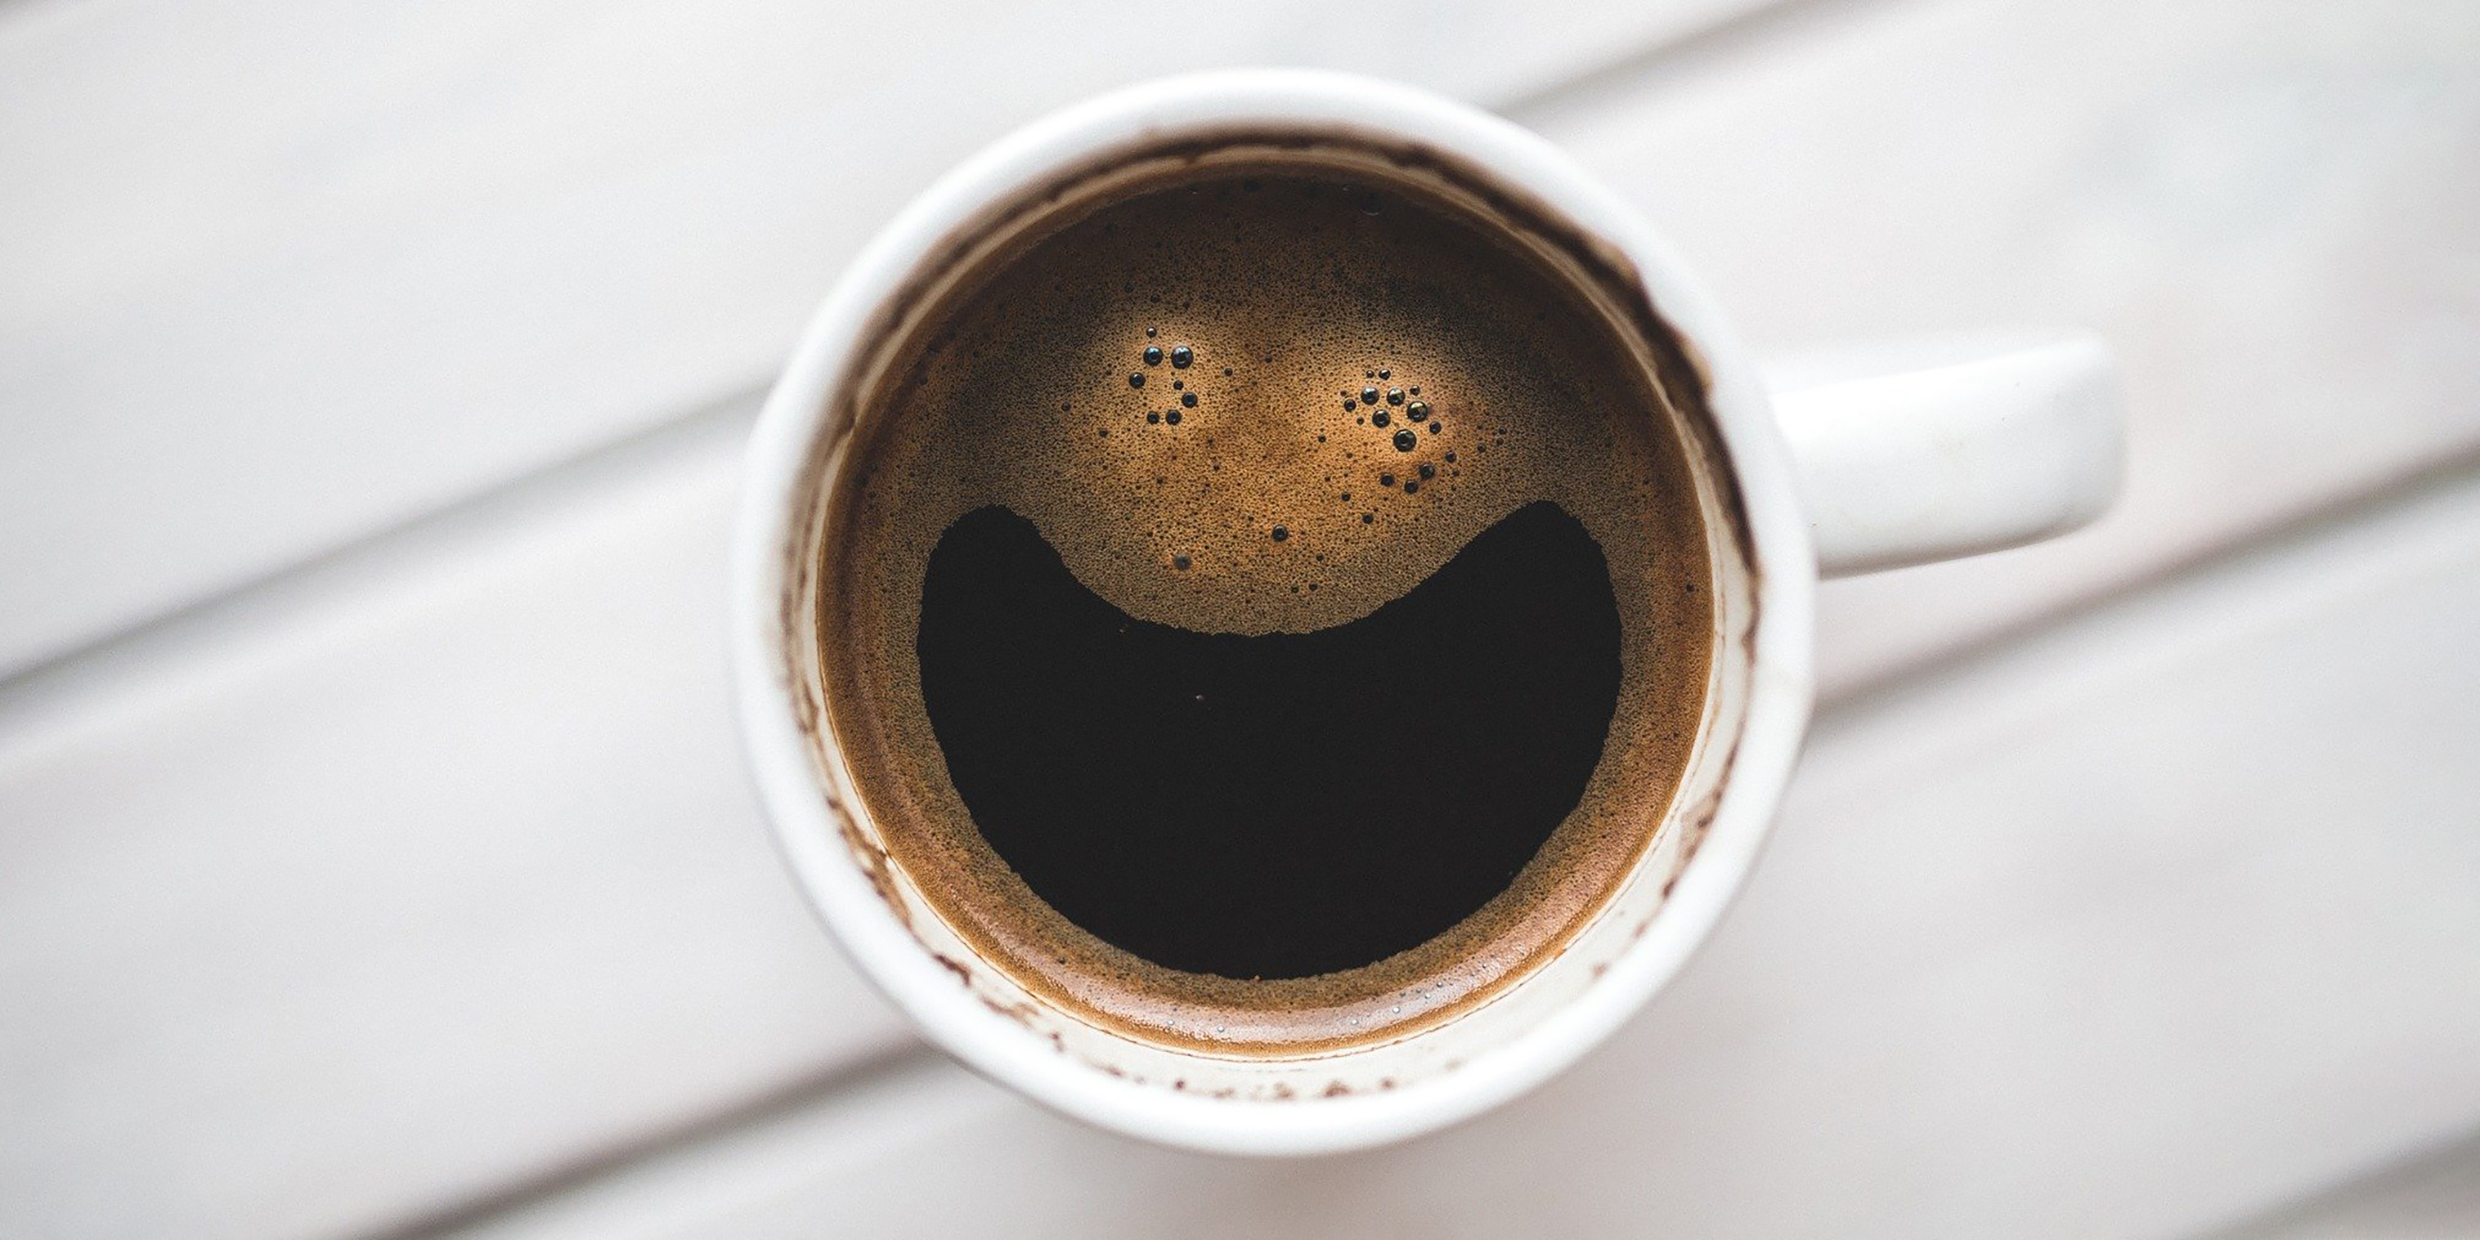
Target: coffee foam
1292, 293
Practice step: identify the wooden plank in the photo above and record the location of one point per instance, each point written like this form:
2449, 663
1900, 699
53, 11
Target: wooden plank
274, 277
2272, 210
2435, 1197
2134, 929
381, 896
366, 276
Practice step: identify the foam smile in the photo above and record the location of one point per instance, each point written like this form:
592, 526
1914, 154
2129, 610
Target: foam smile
1273, 806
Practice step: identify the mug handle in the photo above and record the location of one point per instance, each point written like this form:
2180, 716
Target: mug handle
1912, 451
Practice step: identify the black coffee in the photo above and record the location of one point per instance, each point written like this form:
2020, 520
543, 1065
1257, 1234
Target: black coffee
1264, 607
1282, 805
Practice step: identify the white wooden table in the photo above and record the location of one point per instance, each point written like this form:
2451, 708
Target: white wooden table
374, 853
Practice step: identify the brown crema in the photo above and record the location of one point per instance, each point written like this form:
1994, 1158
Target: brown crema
1242, 482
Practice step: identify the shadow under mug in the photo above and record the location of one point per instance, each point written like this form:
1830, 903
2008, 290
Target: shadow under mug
1851, 461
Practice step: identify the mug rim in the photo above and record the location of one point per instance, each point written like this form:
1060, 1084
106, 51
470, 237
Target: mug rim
797, 413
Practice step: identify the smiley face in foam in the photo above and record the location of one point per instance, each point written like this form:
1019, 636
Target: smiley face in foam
1266, 601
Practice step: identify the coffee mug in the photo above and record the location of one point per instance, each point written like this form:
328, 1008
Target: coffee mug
1851, 461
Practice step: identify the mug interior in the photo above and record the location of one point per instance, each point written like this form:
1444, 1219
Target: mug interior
974, 1005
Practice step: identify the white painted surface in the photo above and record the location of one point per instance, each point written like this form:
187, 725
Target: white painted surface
277, 275
2267, 208
2436, 1197
434, 874
2137, 928
290, 275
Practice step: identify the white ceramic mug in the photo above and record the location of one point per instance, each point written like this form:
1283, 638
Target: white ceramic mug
1853, 464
